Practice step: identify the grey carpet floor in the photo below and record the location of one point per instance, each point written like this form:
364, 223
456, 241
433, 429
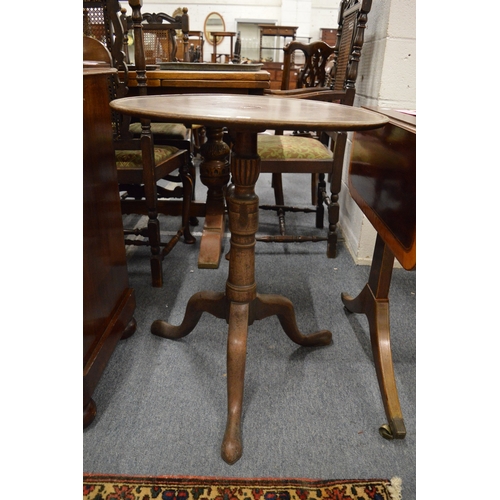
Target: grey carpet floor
308, 412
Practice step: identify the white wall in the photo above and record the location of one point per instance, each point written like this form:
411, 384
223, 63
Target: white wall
308, 15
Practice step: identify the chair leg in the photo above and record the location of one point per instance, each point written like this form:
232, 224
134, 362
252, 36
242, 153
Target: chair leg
314, 189
335, 186
151, 199
192, 175
156, 258
188, 193
277, 183
320, 209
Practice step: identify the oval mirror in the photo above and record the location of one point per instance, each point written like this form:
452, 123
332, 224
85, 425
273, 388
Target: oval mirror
214, 22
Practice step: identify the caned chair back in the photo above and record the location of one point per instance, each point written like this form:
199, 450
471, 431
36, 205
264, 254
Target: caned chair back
353, 15
160, 33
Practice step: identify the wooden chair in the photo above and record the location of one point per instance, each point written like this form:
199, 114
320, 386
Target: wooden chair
323, 154
140, 165
159, 39
170, 134
160, 36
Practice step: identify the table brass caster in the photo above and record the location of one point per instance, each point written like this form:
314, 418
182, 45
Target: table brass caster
386, 432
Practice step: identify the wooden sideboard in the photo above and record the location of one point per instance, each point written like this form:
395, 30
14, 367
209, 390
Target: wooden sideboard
108, 301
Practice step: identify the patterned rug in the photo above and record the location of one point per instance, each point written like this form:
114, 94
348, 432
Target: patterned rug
114, 487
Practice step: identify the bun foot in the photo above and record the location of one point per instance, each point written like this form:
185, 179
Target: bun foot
89, 413
232, 448
129, 329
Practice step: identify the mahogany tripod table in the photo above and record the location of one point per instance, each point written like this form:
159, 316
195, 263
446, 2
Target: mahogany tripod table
240, 305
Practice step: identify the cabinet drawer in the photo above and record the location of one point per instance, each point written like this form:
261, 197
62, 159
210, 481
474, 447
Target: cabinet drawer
279, 30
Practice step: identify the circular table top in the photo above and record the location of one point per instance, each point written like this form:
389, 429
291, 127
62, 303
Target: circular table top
250, 113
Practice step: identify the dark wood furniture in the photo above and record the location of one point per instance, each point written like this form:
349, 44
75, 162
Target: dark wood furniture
108, 300
298, 154
195, 81
328, 35
269, 30
275, 70
102, 20
241, 305
271, 56
223, 34
107, 22
382, 181
161, 82
96, 54
170, 134
141, 163
314, 70
160, 35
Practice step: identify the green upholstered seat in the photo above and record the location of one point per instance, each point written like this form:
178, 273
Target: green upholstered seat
131, 158
289, 147
172, 130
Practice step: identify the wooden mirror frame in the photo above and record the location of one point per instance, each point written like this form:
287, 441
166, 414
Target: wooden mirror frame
206, 30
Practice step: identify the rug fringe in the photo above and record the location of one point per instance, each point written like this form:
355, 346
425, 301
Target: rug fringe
395, 488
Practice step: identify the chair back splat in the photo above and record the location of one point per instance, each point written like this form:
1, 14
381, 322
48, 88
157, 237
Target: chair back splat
328, 74
314, 71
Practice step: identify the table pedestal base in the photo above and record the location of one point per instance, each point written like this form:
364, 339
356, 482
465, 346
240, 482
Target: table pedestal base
240, 305
239, 316
373, 301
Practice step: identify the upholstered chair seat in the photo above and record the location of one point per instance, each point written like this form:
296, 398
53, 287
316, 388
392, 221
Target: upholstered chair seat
171, 130
132, 158
288, 147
